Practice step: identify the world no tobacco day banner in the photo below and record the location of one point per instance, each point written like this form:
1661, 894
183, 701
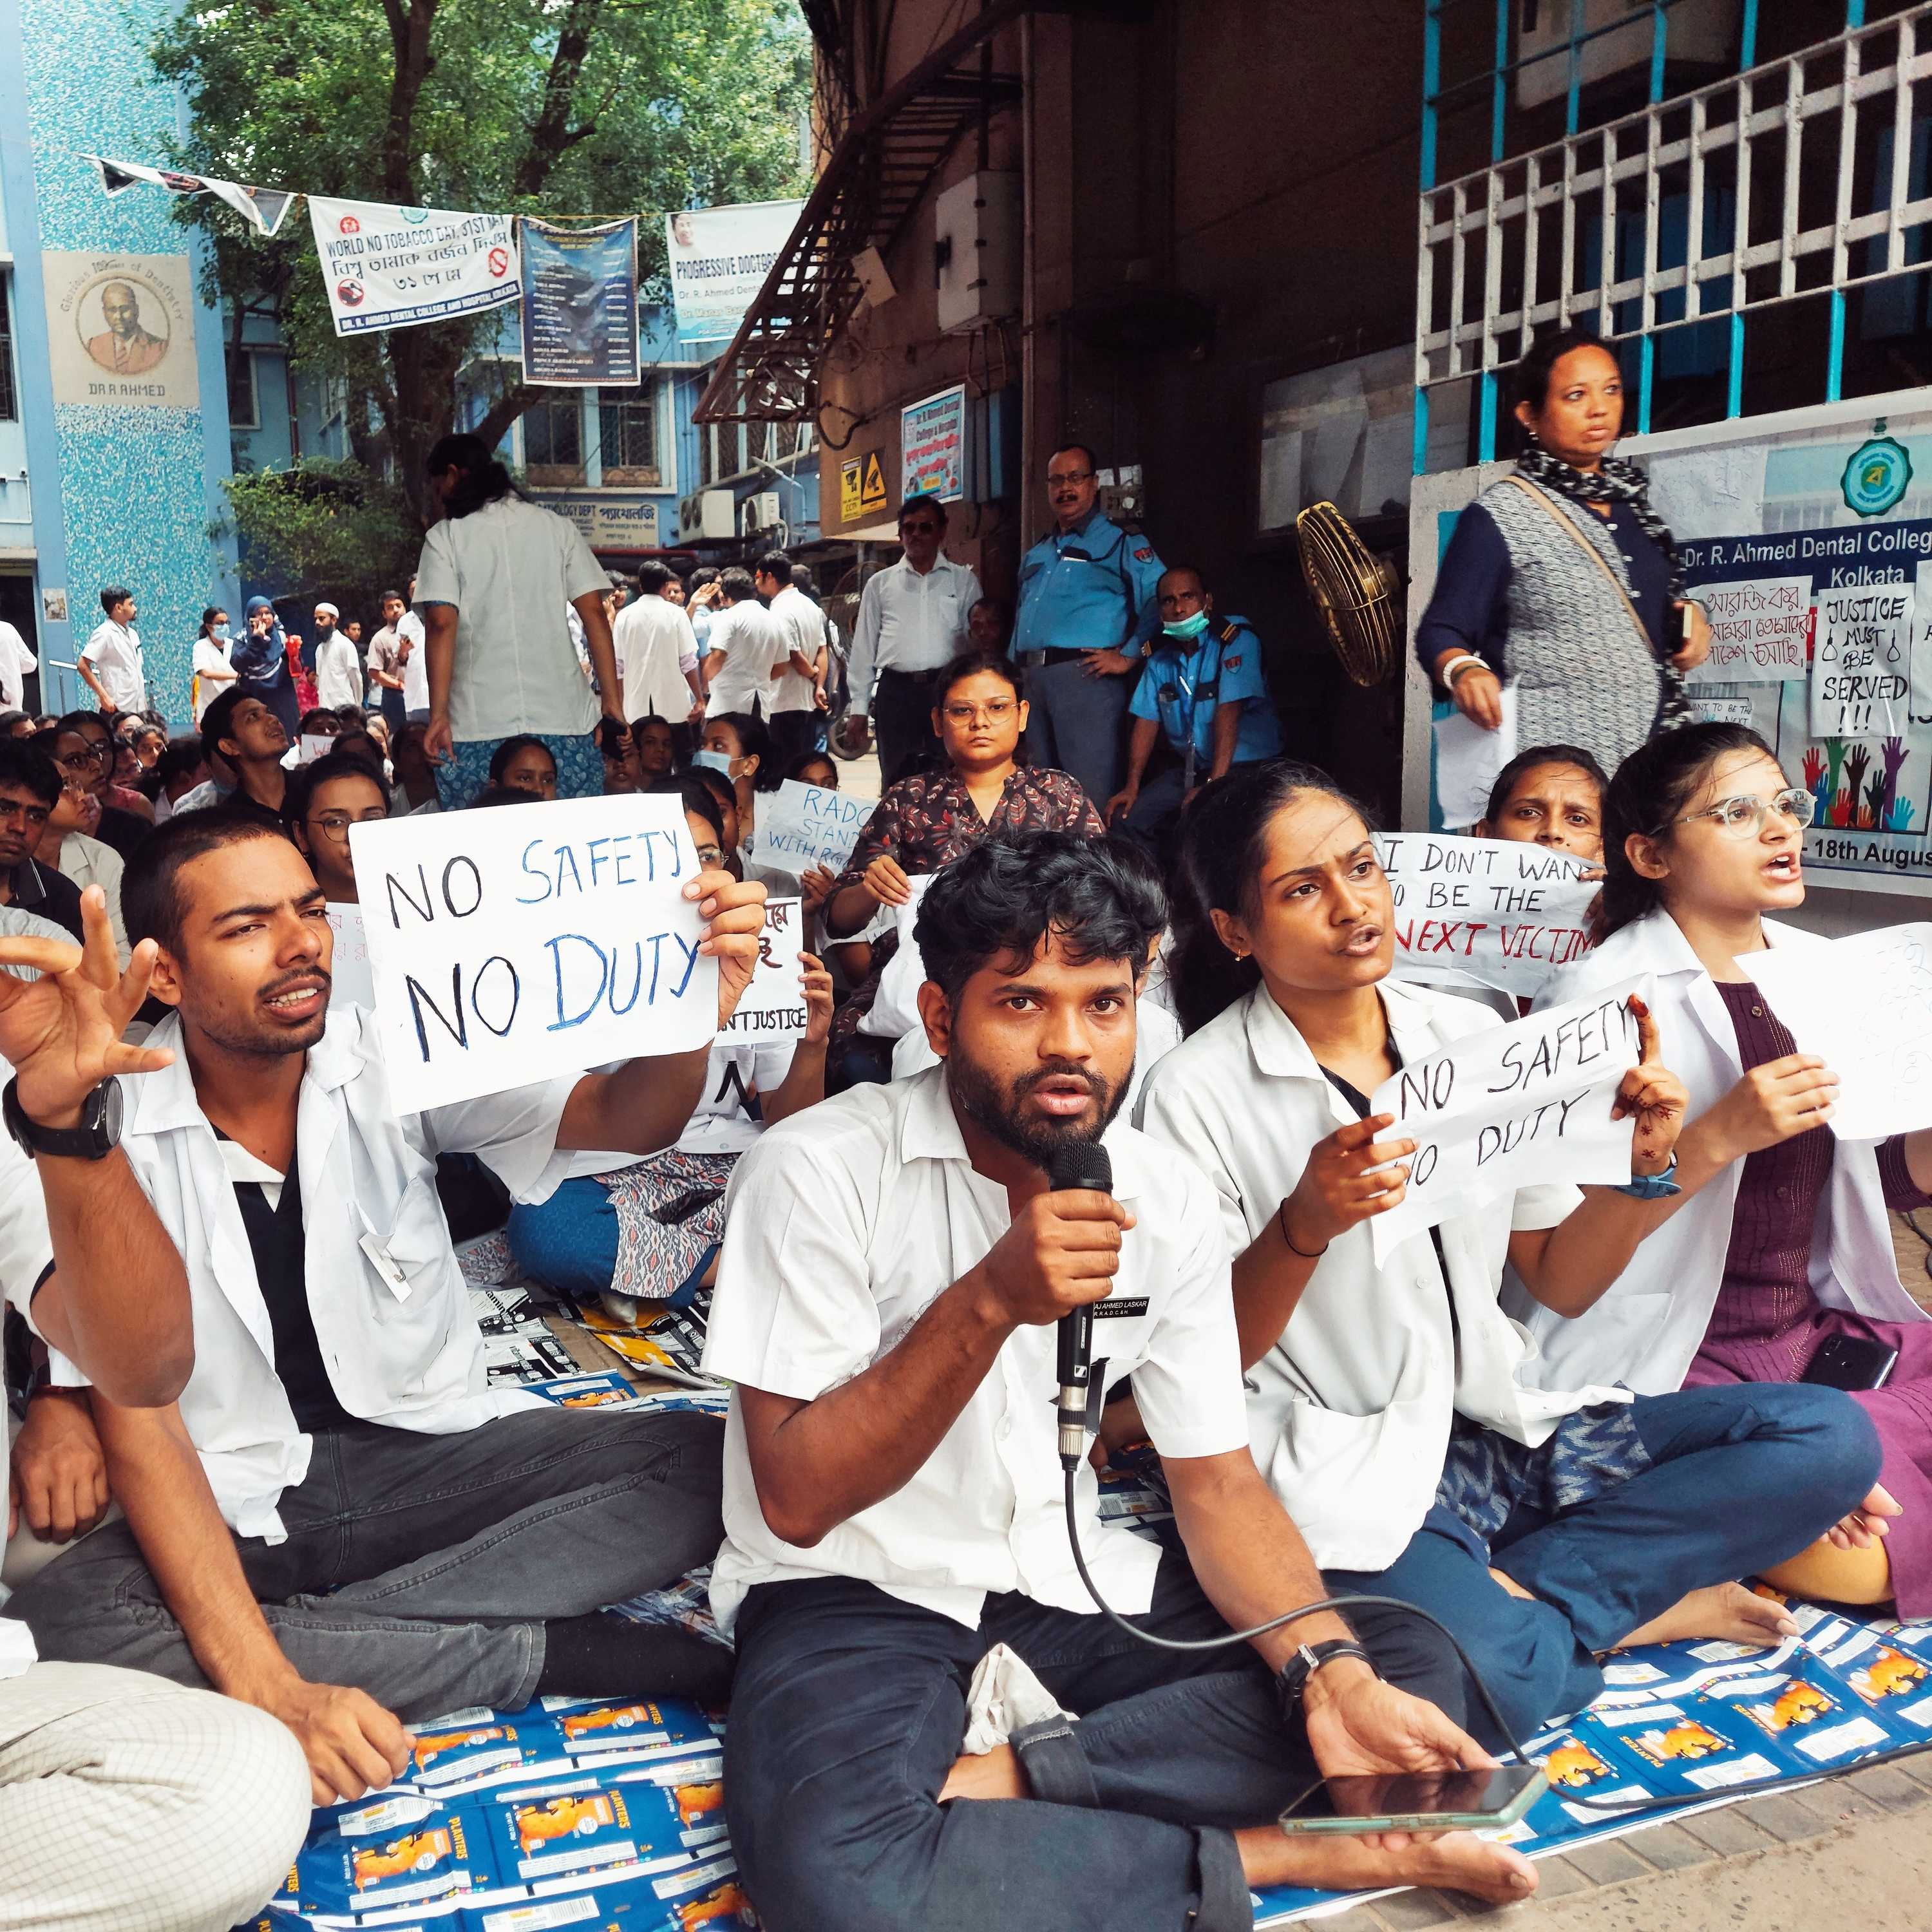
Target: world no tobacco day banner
385, 268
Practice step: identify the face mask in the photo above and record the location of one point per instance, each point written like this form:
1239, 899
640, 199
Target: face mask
712, 761
1188, 627
220, 631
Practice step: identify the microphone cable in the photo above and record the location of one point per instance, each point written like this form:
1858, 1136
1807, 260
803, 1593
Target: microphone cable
1615, 1807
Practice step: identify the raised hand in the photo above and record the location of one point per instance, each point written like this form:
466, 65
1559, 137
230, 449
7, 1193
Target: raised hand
885, 879
817, 984
1349, 1176
1652, 1094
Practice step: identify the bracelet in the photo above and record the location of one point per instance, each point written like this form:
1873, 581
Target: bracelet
1456, 670
1281, 1222
1652, 1187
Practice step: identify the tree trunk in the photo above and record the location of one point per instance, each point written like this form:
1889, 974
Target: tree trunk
421, 404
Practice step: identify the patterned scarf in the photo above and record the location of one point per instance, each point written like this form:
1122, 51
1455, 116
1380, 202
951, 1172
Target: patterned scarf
1622, 482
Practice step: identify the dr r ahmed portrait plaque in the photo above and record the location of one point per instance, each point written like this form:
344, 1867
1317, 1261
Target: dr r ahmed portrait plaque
121, 329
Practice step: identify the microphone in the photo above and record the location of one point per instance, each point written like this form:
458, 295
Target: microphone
1077, 1164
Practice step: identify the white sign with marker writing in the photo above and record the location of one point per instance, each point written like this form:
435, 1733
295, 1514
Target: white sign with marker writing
772, 1006
509, 946
350, 982
1861, 676
1509, 1107
1484, 912
802, 826
1864, 1006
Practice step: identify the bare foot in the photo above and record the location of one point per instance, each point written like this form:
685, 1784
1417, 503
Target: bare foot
1458, 1859
996, 1774
1727, 1611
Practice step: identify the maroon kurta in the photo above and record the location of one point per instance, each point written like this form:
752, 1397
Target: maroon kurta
1767, 1325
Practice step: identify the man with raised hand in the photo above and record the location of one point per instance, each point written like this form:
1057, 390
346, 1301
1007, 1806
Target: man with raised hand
91, 1756
895, 1263
338, 1521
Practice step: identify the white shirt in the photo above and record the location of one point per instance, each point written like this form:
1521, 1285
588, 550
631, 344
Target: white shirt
910, 622
16, 659
752, 642
214, 672
114, 651
414, 1362
26, 1248
655, 649
1646, 1328
1349, 1411
844, 1224
719, 1124
511, 569
338, 671
803, 624
87, 861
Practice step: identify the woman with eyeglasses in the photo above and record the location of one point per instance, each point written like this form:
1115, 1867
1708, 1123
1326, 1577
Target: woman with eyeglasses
925, 822
324, 800
1778, 1246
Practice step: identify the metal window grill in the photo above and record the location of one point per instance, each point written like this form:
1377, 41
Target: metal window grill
1793, 177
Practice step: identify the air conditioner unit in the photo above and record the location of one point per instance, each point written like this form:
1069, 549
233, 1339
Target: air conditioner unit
976, 250
717, 513
1704, 31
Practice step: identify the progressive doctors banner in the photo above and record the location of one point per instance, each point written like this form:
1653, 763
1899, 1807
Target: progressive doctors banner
391, 268
719, 258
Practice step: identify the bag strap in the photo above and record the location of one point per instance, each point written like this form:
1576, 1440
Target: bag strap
1589, 549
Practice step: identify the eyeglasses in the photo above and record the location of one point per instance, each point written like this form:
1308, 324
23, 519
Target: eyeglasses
335, 824
1744, 818
997, 712
101, 750
78, 761
1068, 476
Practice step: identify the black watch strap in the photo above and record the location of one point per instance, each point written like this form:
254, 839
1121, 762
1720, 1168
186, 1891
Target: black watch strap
1291, 1680
98, 1135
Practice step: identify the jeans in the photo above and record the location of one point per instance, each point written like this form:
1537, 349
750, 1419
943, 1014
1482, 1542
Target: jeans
902, 703
1074, 724
1741, 1477
849, 1709
573, 1240
422, 1569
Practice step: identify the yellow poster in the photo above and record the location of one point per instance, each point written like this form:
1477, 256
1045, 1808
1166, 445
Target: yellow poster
862, 487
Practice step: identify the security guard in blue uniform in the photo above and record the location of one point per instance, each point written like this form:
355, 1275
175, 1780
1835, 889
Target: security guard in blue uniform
1086, 609
1203, 687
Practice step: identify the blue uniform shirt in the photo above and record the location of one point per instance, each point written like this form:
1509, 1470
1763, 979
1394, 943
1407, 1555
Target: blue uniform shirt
1088, 589
1175, 689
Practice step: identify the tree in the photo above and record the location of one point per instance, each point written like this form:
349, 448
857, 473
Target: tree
546, 107
335, 530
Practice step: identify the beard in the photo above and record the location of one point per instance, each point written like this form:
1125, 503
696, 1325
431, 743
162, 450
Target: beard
1001, 1110
244, 1032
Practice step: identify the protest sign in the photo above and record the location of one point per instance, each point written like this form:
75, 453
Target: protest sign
802, 826
1468, 759
580, 304
773, 1005
1861, 676
719, 258
1760, 630
1864, 1006
1509, 1107
393, 268
509, 946
1484, 912
896, 1006
351, 983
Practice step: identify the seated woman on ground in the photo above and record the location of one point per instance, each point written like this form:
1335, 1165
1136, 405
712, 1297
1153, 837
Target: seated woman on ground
641, 1235
324, 800
1550, 795
725, 796
1778, 1246
1388, 1408
653, 749
524, 764
737, 745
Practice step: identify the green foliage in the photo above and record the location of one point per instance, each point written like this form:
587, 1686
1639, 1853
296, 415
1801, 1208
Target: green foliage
548, 107
335, 528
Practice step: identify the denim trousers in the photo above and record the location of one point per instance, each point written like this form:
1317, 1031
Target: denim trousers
422, 1569
1741, 1477
849, 1709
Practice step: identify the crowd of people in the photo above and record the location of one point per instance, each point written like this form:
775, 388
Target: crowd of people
1093, 904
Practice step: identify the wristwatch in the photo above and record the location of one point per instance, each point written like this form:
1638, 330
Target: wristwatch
1291, 1680
98, 1135
1652, 1187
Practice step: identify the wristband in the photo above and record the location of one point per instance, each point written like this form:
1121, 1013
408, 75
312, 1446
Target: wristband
1291, 1682
1456, 670
1652, 1187
1281, 1222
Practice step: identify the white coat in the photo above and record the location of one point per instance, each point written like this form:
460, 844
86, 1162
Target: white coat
1646, 1330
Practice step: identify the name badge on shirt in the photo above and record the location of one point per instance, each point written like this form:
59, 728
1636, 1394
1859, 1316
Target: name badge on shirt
393, 1279
1118, 1305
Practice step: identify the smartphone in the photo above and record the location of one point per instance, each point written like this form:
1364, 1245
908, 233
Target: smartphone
1426, 1801
686, 1205
1852, 1362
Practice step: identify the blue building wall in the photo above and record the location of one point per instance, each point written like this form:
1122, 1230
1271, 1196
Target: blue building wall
120, 493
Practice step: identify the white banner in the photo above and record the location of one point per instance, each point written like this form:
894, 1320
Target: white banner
350, 981
719, 258
1509, 1107
1760, 630
1861, 676
511, 945
773, 1005
1484, 912
802, 826
1864, 1006
262, 207
393, 268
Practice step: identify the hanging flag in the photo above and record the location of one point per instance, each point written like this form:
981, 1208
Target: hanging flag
719, 259
396, 268
579, 287
262, 207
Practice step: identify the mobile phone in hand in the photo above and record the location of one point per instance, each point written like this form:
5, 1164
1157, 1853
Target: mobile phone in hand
1489, 1800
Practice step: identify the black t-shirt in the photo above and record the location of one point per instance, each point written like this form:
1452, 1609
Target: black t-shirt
126, 831
275, 1238
47, 890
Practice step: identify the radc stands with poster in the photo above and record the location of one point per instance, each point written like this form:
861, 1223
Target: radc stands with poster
394, 268
580, 286
719, 258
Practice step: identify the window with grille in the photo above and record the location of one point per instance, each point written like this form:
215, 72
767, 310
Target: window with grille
10, 403
553, 439
627, 420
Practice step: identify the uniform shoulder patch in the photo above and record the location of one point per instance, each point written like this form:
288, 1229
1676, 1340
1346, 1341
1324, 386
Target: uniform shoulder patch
1231, 663
1144, 555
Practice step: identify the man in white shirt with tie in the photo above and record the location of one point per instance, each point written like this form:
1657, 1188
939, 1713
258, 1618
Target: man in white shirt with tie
895, 1263
911, 625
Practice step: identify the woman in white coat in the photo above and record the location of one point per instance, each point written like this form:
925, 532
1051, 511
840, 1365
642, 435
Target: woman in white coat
1387, 1409
1779, 1241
